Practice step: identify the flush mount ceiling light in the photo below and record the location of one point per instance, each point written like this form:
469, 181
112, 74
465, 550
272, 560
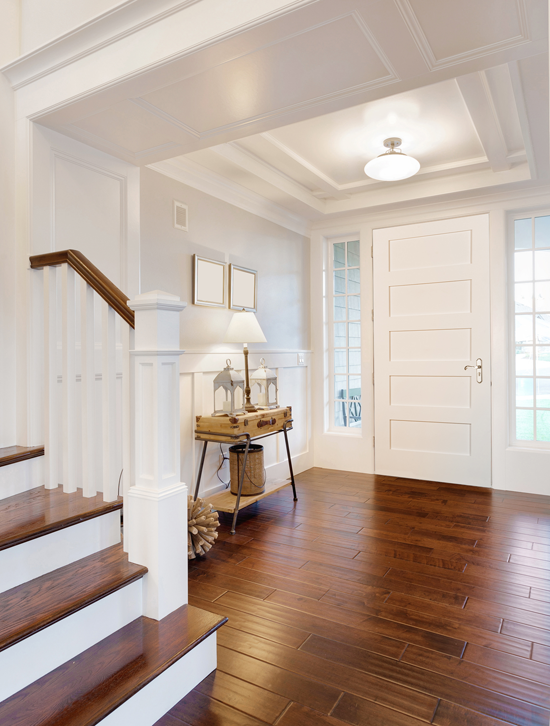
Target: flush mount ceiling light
393, 164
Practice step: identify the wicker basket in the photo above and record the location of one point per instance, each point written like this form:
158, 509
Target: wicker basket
254, 475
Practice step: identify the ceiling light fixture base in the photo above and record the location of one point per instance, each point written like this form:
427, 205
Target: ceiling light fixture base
392, 143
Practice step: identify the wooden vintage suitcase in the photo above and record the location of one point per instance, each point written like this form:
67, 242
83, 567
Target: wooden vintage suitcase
255, 424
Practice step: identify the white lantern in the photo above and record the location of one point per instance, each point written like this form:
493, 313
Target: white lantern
266, 380
230, 381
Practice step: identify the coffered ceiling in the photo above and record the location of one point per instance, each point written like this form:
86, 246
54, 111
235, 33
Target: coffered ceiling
292, 109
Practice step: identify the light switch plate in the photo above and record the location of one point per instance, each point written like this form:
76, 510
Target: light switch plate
301, 359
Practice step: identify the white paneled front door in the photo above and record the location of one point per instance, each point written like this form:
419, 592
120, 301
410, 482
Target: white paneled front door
432, 318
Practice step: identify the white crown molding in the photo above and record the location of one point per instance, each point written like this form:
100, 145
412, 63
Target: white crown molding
517, 88
251, 163
413, 24
197, 176
530, 197
125, 19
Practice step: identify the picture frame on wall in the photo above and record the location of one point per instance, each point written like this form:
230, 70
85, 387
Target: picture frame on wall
243, 288
209, 282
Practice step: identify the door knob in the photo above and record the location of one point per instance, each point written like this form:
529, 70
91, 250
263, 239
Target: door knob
479, 370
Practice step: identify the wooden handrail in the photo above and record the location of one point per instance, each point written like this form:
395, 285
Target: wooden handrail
94, 277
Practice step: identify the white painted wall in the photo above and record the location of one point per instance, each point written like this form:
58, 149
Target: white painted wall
218, 230
514, 468
9, 47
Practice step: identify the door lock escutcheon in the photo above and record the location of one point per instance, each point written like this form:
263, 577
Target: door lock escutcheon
479, 370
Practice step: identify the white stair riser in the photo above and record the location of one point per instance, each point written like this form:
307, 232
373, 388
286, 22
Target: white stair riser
30, 659
21, 477
41, 555
161, 694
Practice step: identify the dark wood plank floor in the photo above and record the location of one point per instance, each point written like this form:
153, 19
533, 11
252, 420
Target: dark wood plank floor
378, 602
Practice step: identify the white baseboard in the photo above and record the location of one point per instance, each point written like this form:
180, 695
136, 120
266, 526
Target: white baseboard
30, 659
41, 555
160, 695
21, 476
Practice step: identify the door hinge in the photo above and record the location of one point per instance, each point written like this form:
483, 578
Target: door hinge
372, 315
372, 251
373, 440
373, 378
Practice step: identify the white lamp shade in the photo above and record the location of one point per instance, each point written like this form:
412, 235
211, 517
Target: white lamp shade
244, 328
392, 166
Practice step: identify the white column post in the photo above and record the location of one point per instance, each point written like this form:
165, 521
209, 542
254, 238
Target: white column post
155, 517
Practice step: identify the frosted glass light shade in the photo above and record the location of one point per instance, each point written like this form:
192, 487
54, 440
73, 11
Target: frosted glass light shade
392, 166
244, 328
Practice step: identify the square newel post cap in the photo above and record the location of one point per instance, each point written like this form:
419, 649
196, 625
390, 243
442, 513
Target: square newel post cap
157, 320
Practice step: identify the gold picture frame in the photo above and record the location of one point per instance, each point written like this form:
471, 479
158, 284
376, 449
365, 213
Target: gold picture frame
243, 288
209, 282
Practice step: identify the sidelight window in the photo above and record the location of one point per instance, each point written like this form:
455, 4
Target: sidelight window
345, 334
531, 299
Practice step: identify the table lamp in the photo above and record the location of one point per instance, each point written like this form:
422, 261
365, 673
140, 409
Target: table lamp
244, 327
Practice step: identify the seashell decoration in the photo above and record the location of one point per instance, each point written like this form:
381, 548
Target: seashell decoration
203, 522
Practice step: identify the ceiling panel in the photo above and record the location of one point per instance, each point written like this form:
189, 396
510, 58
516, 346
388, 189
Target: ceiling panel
502, 95
433, 123
453, 28
315, 64
127, 126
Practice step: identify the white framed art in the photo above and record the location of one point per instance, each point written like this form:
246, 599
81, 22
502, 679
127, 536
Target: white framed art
243, 288
209, 282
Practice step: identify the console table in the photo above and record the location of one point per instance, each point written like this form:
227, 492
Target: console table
246, 428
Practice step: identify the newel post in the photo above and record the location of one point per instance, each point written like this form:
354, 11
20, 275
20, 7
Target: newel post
155, 520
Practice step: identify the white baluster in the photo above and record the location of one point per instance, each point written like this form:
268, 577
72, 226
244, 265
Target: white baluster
69, 379
108, 386
87, 368
51, 433
127, 335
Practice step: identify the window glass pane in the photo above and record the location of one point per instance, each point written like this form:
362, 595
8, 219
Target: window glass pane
542, 328
542, 231
354, 333
524, 392
354, 307
542, 265
340, 254
523, 266
524, 360
353, 254
543, 425
524, 297
524, 329
355, 388
524, 425
339, 335
354, 288
543, 392
339, 282
543, 360
340, 308
542, 297
355, 414
339, 361
340, 413
354, 361
340, 386
522, 234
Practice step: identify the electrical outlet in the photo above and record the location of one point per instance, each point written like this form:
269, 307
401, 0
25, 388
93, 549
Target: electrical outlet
301, 359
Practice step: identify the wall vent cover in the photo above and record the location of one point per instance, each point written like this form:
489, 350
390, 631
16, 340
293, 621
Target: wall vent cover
181, 216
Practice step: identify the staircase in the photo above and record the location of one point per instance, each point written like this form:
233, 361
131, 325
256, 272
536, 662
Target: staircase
91, 631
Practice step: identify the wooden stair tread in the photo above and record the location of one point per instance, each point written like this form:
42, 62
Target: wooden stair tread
40, 511
30, 607
13, 454
87, 688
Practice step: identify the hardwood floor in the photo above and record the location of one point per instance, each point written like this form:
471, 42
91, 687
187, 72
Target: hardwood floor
378, 602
